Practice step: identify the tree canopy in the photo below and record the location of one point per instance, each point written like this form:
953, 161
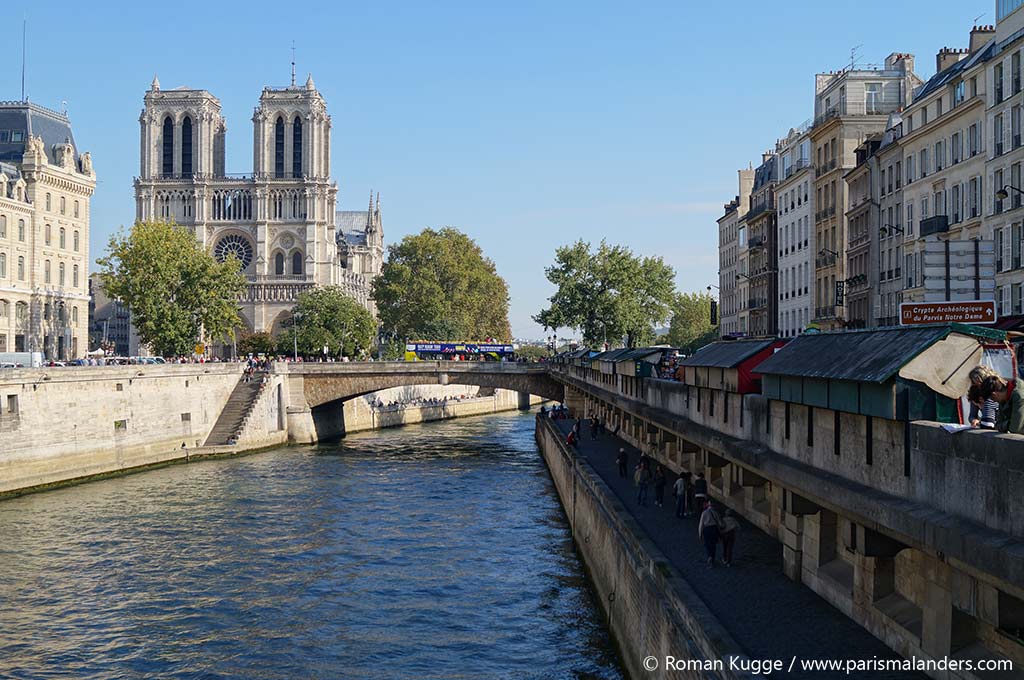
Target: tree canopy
257, 343
328, 317
437, 285
691, 326
610, 295
174, 289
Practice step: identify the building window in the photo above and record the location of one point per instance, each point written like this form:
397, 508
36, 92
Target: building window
959, 92
49, 203
74, 276
21, 268
63, 238
168, 150
60, 270
297, 147
297, 263
998, 82
972, 140
74, 314
999, 135
46, 234
954, 148
186, 147
46, 271
74, 240
279, 147
76, 208
3, 226
3, 267
279, 264
63, 206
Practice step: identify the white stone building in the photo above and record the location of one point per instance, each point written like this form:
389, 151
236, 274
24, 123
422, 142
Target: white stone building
1004, 219
45, 188
728, 256
280, 219
795, 241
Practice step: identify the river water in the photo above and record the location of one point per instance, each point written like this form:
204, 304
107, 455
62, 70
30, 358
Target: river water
429, 551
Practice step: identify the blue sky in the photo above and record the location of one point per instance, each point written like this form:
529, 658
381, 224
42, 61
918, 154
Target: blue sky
527, 125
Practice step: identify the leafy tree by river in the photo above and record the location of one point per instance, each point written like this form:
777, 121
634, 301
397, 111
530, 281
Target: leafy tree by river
609, 295
174, 288
438, 285
691, 326
328, 317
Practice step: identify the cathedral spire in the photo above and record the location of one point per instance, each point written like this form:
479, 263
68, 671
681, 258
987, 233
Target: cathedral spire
378, 203
369, 213
155, 85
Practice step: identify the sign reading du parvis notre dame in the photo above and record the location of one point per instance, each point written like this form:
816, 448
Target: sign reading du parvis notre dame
971, 311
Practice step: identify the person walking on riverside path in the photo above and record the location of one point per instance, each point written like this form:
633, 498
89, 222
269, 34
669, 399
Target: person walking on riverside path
659, 487
679, 490
642, 478
623, 462
700, 491
707, 531
729, 528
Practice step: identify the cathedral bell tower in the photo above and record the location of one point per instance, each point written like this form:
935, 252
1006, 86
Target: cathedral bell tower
292, 133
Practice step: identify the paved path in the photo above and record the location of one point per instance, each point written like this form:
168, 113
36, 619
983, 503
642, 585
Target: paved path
770, 616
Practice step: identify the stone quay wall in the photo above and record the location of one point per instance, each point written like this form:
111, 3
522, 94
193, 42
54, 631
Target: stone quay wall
63, 424
650, 609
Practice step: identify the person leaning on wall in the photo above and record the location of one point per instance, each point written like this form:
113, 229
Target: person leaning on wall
1010, 397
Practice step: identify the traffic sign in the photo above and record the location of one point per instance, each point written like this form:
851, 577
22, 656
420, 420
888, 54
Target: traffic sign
200, 348
972, 311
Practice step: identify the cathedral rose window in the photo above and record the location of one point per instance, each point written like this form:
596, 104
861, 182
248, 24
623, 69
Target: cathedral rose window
236, 245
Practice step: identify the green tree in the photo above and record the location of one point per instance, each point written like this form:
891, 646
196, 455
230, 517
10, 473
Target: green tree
327, 317
257, 343
609, 295
437, 285
691, 326
174, 289
530, 352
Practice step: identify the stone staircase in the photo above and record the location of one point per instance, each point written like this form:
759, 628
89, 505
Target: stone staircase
236, 411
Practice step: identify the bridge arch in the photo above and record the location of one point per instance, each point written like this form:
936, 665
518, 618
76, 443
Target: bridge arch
317, 391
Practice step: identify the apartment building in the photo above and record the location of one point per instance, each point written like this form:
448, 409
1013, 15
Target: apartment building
795, 240
886, 270
849, 105
944, 147
861, 218
728, 253
762, 229
1004, 200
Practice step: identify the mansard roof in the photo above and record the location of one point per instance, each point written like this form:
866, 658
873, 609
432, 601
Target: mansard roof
25, 117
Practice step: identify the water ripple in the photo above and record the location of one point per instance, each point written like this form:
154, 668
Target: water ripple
432, 551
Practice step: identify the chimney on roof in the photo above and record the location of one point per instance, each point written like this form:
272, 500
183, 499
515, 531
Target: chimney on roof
981, 35
900, 61
948, 56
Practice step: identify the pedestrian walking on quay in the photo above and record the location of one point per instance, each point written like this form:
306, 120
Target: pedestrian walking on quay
729, 528
571, 440
623, 461
680, 489
593, 427
642, 479
700, 491
577, 427
708, 528
659, 487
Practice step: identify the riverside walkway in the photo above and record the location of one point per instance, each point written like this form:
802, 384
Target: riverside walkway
770, 616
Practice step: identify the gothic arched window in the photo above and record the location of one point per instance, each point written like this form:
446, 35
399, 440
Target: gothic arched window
168, 143
279, 147
296, 262
186, 147
297, 147
279, 264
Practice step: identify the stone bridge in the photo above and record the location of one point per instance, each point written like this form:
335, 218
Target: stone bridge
316, 391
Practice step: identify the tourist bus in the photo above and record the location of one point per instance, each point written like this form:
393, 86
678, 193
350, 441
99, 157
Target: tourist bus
458, 351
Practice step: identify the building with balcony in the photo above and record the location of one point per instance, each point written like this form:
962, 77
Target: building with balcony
887, 238
728, 256
46, 185
762, 229
742, 277
849, 105
279, 220
862, 223
944, 149
795, 239
1004, 217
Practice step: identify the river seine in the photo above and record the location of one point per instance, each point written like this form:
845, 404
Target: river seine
429, 551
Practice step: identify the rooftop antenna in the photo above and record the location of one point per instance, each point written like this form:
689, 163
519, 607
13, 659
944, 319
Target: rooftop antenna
293, 63
24, 23
977, 18
853, 55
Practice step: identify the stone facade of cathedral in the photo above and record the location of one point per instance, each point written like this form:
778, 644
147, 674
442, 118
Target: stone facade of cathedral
280, 219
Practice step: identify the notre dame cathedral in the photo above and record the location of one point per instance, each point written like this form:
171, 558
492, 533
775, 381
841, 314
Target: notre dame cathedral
280, 220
